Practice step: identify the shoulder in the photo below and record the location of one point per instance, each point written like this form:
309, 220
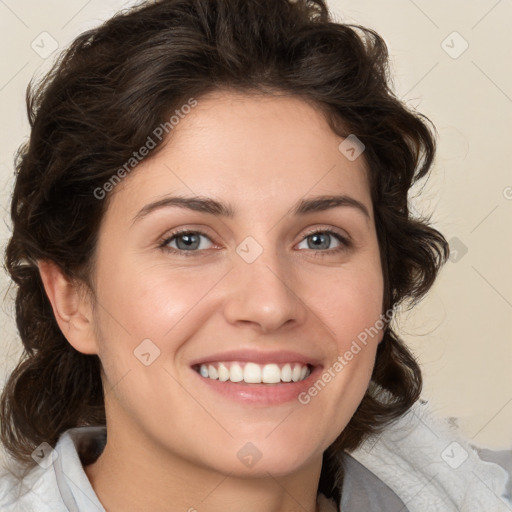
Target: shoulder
431, 466
35, 491
57, 483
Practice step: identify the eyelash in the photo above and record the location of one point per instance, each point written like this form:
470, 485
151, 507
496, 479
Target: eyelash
345, 243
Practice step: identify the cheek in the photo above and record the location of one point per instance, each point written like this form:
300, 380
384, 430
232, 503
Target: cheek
348, 301
350, 307
165, 304
150, 302
145, 317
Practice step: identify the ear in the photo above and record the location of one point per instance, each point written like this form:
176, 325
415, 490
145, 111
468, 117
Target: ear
73, 312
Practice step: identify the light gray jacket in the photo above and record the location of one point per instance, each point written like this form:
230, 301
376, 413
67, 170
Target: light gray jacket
418, 464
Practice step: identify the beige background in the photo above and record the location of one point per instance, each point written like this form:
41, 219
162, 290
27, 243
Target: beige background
461, 332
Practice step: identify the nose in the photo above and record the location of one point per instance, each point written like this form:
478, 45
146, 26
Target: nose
264, 294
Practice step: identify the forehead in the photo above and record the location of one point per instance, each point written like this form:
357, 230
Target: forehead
253, 151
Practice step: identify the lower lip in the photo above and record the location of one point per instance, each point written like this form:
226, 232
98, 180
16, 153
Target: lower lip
265, 394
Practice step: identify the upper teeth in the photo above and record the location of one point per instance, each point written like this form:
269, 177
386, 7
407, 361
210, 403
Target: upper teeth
253, 373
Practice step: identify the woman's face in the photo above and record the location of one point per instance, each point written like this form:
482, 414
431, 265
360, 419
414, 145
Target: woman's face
256, 282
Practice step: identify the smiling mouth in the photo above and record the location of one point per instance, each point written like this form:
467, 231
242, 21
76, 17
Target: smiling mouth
254, 373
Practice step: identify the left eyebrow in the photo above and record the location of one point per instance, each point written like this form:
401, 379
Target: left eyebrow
214, 207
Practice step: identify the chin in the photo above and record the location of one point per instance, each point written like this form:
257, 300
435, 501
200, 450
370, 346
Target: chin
258, 459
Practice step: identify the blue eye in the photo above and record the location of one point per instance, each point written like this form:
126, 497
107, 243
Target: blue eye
320, 237
191, 240
188, 242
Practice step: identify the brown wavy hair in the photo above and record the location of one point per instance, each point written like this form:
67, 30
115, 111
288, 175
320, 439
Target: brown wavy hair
102, 98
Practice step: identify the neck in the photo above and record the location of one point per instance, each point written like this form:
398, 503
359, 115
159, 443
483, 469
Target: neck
141, 476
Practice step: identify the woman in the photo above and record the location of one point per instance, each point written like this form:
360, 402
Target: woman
211, 235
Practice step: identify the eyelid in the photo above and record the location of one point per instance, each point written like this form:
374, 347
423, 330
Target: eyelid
203, 230
326, 227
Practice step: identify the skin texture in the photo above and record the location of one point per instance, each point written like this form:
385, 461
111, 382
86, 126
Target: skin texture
172, 441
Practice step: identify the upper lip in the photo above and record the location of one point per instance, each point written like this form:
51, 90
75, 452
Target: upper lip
257, 356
